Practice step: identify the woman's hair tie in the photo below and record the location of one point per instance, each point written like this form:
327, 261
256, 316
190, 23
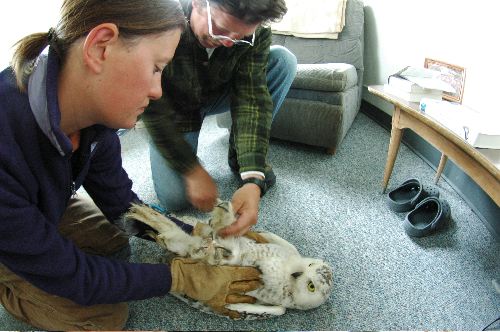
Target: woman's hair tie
51, 35
53, 40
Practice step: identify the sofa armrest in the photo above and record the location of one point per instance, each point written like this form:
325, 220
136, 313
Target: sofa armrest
333, 77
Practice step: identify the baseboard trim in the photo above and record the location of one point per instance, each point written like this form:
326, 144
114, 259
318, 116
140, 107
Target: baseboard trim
474, 196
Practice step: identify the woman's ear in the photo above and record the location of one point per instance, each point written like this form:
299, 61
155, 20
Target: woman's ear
97, 45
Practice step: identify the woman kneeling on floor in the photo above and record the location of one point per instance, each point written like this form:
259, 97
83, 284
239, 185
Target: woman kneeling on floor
59, 111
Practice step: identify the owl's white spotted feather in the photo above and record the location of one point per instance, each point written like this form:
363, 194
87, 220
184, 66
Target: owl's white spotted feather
289, 280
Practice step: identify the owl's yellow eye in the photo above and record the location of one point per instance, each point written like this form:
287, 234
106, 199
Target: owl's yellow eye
310, 287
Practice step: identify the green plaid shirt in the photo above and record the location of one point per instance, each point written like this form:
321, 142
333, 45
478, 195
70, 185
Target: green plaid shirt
191, 79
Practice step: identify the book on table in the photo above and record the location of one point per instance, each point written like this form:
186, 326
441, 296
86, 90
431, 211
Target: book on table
413, 96
485, 133
425, 78
413, 83
485, 140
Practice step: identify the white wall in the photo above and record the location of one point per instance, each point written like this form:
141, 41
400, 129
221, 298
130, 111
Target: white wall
399, 33
19, 18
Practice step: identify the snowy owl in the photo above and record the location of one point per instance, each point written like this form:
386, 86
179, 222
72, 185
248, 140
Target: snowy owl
289, 280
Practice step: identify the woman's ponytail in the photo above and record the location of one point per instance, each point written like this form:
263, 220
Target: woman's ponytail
26, 51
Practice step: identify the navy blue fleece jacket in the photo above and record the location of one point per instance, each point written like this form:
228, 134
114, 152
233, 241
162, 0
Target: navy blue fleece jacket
38, 175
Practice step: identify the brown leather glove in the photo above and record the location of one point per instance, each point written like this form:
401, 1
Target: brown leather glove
215, 286
204, 230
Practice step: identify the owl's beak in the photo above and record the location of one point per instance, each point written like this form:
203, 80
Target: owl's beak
297, 274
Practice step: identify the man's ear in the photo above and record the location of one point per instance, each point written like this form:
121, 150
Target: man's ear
98, 44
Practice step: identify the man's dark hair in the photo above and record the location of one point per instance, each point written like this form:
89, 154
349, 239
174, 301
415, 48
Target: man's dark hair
253, 11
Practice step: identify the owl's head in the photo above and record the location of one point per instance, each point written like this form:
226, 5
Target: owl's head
312, 283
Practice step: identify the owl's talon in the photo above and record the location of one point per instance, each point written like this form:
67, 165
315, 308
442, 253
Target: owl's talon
226, 253
200, 250
205, 251
220, 254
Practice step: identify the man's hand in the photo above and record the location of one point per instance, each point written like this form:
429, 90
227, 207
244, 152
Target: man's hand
201, 190
215, 286
245, 203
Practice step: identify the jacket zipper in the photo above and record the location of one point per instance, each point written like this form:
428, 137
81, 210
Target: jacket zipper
73, 189
72, 184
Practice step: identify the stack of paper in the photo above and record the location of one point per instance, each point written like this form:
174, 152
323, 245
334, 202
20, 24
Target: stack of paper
426, 78
413, 83
410, 91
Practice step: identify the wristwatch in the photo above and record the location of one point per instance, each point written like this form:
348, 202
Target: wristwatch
261, 183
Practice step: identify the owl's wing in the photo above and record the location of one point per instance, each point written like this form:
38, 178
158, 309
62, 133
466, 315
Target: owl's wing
273, 238
257, 311
247, 311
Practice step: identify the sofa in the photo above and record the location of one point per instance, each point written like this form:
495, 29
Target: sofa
325, 96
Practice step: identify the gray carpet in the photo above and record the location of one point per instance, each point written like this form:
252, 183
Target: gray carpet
331, 207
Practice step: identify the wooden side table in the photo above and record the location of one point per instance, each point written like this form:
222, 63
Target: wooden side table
471, 161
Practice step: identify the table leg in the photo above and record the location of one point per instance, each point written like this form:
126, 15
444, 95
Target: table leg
442, 163
396, 135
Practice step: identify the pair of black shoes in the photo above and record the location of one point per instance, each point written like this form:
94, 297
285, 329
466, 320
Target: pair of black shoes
268, 172
427, 212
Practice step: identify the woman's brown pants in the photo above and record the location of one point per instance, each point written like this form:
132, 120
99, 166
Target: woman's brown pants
86, 226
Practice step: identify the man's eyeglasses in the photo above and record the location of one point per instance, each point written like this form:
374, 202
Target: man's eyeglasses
225, 38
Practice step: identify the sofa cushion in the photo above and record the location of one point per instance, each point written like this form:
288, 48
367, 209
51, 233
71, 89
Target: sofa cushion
325, 77
329, 97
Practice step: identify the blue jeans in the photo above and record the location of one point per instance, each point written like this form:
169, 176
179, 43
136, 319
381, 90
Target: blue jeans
168, 183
